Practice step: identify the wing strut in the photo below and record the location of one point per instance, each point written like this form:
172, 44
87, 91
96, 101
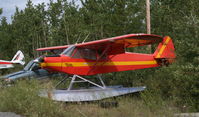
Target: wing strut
100, 57
85, 80
81, 79
62, 81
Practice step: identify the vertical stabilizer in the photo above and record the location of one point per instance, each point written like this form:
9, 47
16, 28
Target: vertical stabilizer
165, 53
165, 49
18, 58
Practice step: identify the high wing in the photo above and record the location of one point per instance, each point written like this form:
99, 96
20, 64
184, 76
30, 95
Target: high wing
54, 49
114, 45
130, 40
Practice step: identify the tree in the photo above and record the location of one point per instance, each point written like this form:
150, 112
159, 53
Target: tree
1, 11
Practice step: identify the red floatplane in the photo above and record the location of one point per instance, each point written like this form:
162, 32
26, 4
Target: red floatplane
104, 56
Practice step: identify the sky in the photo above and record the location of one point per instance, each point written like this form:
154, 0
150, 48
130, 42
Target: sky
10, 5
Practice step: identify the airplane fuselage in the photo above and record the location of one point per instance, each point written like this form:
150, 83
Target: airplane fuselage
113, 63
5, 64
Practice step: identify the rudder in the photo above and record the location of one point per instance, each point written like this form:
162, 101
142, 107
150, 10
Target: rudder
18, 58
165, 50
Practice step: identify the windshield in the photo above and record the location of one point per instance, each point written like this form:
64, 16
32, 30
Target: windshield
28, 66
68, 51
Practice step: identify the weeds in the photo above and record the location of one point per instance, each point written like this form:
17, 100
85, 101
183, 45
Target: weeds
22, 98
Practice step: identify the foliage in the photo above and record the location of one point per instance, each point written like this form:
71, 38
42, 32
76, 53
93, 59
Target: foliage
1, 10
23, 98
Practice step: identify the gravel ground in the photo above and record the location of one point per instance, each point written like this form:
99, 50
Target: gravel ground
9, 114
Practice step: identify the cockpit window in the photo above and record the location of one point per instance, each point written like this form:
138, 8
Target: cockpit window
68, 51
102, 55
85, 53
28, 66
31, 66
77, 54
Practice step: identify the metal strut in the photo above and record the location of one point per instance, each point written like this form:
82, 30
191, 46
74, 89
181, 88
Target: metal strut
85, 80
102, 82
62, 81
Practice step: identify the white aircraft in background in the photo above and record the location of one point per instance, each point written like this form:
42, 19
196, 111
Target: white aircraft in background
17, 59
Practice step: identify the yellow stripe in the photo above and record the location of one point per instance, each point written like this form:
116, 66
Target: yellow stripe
163, 47
84, 64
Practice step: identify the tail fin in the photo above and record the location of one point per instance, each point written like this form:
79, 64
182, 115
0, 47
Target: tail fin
165, 50
18, 58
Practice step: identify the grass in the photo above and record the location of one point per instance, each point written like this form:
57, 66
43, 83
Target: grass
128, 107
22, 99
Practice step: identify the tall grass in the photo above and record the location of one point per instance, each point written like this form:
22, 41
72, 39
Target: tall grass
128, 107
22, 98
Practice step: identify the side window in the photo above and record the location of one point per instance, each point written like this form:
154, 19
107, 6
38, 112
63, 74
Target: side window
85, 53
77, 54
88, 54
101, 55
